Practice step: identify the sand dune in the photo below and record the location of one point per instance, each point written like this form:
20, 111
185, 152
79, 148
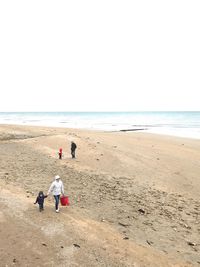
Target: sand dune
134, 199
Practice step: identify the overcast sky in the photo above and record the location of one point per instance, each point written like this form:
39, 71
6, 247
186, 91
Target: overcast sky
99, 55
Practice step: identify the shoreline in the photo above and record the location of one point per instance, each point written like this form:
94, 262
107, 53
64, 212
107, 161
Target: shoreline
138, 130
182, 124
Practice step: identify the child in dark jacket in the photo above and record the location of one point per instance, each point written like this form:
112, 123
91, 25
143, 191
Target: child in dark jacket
40, 200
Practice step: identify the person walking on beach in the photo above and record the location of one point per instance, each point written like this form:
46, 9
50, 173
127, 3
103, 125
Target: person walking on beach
73, 148
60, 154
40, 200
56, 189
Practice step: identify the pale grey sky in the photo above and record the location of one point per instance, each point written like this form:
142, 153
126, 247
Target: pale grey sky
99, 55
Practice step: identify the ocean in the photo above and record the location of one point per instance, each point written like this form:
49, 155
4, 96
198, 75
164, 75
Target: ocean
183, 124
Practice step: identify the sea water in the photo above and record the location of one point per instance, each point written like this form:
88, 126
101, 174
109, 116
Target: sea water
183, 124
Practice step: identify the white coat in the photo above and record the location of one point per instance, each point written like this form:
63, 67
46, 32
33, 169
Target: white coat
56, 188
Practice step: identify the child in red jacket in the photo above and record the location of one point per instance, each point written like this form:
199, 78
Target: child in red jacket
60, 153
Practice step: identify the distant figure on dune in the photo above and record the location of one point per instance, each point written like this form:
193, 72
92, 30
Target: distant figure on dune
60, 153
56, 189
73, 148
40, 200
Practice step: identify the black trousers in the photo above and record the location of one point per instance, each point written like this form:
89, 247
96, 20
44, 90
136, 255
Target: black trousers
73, 153
41, 206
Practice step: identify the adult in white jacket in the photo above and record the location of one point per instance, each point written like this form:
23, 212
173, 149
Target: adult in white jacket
56, 189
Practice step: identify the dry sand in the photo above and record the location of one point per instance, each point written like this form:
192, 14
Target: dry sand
134, 199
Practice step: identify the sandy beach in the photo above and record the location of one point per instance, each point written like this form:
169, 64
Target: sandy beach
134, 198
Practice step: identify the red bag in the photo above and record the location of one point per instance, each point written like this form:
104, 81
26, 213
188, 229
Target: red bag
64, 200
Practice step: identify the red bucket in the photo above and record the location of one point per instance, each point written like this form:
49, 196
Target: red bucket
64, 200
